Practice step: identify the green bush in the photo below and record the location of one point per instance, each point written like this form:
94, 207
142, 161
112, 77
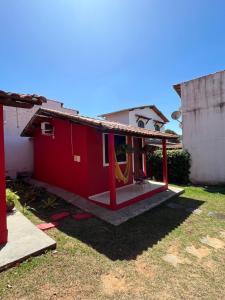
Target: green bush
10, 199
178, 165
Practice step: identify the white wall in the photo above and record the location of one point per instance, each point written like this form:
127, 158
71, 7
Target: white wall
19, 150
203, 110
121, 117
147, 112
129, 117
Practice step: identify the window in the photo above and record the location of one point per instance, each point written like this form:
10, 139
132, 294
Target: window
120, 141
157, 127
141, 124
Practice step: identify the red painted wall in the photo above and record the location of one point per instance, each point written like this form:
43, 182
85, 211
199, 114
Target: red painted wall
98, 175
54, 159
3, 225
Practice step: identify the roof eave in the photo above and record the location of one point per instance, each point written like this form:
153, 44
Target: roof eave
177, 88
20, 100
157, 111
129, 130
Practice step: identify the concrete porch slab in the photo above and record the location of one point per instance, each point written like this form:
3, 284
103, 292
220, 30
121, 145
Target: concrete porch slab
24, 240
113, 217
128, 192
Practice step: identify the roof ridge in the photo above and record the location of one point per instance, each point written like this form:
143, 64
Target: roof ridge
151, 106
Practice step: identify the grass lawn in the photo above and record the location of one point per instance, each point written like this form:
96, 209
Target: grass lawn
95, 260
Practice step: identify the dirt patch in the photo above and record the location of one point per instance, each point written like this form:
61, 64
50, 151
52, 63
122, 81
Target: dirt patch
172, 257
209, 266
48, 291
145, 269
198, 252
175, 260
113, 283
222, 234
212, 242
70, 293
174, 248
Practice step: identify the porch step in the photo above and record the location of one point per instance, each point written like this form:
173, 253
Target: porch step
112, 217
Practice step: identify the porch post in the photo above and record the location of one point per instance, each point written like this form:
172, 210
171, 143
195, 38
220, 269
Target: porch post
112, 181
144, 158
3, 216
165, 171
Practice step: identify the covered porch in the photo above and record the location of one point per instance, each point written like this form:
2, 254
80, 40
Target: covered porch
131, 193
118, 197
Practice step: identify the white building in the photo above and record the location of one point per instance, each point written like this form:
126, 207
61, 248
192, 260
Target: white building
18, 150
147, 116
203, 114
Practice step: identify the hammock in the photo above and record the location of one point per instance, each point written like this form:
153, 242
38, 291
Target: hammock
120, 176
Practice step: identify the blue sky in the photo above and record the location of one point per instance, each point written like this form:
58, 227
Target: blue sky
104, 55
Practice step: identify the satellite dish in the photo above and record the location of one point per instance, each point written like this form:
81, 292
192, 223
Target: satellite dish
176, 115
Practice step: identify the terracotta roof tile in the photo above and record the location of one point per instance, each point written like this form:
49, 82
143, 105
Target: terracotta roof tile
20, 100
103, 125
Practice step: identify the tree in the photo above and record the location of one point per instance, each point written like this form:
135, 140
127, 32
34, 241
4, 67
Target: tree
175, 140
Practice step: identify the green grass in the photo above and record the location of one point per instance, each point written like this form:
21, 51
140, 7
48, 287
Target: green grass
95, 260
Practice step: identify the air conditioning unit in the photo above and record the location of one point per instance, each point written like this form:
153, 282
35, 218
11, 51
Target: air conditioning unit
47, 128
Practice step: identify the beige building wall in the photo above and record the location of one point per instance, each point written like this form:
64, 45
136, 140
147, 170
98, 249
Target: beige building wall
203, 113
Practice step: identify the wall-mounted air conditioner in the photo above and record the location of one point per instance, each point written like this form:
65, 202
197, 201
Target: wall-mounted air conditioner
47, 128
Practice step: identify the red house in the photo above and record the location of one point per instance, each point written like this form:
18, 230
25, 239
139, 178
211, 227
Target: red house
97, 159
15, 100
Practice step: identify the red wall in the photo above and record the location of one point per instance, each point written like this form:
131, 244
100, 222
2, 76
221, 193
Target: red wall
97, 173
54, 159
3, 227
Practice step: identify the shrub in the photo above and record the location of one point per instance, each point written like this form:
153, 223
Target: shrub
178, 165
10, 199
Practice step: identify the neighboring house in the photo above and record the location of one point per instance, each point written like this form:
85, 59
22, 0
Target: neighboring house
18, 151
147, 116
14, 100
88, 157
203, 117
169, 145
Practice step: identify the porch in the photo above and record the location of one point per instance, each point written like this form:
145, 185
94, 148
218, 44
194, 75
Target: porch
131, 193
113, 217
116, 198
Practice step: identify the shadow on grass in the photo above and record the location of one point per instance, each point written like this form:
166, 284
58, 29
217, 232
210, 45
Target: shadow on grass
215, 189
123, 242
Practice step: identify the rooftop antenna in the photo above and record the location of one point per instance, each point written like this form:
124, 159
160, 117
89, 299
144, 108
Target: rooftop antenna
176, 116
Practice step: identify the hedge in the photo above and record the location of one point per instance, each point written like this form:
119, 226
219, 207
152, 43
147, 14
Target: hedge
179, 163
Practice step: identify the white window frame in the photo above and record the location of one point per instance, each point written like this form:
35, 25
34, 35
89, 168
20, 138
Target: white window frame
142, 122
103, 149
